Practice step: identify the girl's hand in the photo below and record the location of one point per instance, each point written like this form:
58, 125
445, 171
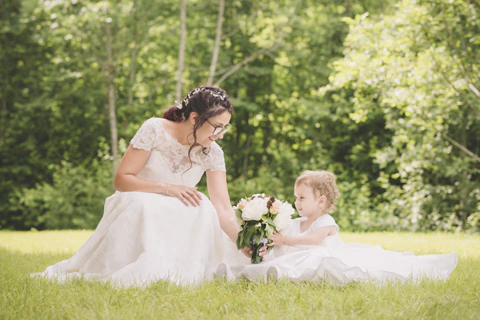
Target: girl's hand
278, 239
185, 194
248, 251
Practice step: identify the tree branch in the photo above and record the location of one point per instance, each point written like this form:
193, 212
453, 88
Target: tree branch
236, 67
218, 36
461, 147
475, 90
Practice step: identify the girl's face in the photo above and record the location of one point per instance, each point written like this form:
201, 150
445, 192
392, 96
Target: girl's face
307, 203
206, 133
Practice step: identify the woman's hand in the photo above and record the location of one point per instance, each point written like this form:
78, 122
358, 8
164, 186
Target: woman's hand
278, 239
185, 194
247, 251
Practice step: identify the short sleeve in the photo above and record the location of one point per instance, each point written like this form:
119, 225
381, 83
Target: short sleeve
324, 221
146, 136
215, 160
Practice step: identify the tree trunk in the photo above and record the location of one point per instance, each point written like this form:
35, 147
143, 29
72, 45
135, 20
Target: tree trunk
246, 146
248, 143
134, 56
132, 68
464, 186
4, 111
181, 50
111, 98
5, 80
218, 37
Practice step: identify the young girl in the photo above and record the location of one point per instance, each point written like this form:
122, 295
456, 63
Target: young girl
315, 193
312, 250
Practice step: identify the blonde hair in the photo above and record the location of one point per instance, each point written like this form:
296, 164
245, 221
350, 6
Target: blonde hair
323, 183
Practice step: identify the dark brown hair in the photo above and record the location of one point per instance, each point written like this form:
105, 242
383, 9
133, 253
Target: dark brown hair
207, 102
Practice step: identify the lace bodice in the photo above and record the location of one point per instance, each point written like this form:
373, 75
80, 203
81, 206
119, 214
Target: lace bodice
169, 161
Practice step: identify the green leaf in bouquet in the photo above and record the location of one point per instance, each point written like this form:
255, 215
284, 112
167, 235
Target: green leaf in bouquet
269, 230
238, 213
264, 218
270, 222
251, 223
249, 233
240, 239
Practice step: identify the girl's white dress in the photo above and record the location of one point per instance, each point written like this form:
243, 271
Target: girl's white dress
339, 263
145, 237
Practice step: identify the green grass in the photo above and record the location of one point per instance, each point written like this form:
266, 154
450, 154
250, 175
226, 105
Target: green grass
23, 297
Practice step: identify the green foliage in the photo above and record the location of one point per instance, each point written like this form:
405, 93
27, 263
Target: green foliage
387, 100
418, 67
74, 200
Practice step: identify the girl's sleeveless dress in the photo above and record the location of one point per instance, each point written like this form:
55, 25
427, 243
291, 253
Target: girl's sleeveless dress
339, 263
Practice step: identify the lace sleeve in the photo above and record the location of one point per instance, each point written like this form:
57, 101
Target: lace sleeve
146, 136
215, 161
324, 221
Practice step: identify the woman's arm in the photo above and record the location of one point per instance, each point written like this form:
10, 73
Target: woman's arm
126, 176
315, 238
126, 179
218, 192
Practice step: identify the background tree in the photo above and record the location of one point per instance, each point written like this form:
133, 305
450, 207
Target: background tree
388, 100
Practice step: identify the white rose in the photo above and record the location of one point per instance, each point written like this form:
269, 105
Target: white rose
286, 209
242, 204
282, 221
275, 208
254, 209
284, 218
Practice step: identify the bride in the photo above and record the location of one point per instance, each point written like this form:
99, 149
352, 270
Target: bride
157, 226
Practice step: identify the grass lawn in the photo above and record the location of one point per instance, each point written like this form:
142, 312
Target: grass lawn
23, 297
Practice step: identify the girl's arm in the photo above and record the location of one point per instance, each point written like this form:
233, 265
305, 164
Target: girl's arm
315, 238
126, 179
218, 192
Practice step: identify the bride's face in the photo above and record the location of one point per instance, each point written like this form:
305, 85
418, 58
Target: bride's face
214, 128
307, 202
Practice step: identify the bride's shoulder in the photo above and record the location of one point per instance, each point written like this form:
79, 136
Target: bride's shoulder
155, 122
152, 123
159, 126
216, 150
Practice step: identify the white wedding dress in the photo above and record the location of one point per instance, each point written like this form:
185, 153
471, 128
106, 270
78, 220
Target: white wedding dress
146, 237
338, 263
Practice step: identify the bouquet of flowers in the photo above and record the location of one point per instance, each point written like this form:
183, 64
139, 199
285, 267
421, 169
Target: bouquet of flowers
258, 217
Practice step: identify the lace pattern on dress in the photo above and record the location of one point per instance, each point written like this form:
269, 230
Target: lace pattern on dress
216, 160
145, 137
152, 136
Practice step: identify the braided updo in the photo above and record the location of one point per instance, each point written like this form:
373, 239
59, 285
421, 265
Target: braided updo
206, 101
323, 183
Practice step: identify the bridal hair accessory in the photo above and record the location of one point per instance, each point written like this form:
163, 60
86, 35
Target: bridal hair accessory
219, 95
179, 105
